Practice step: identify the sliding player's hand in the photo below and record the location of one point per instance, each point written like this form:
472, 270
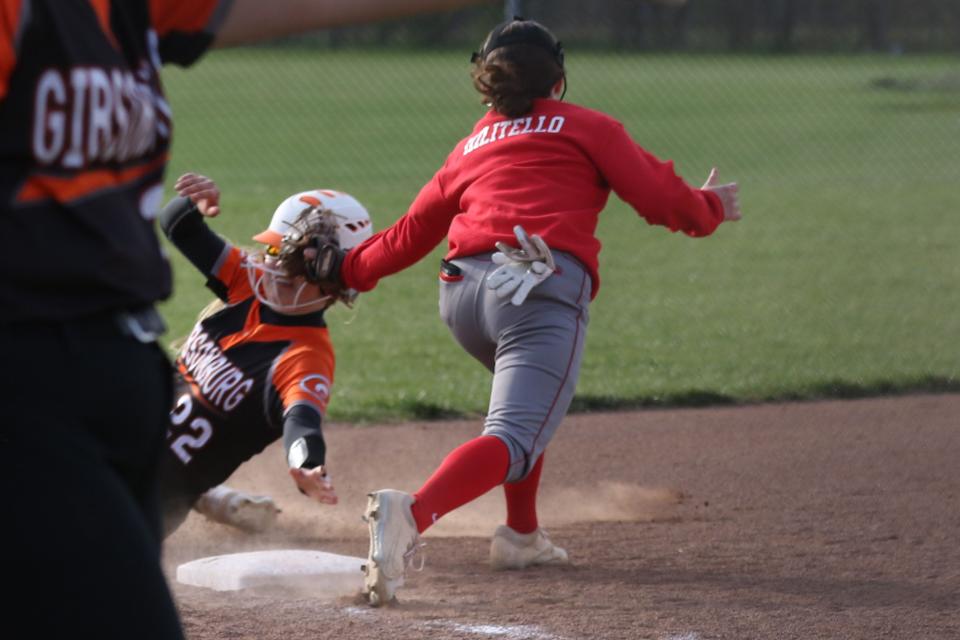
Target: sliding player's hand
315, 483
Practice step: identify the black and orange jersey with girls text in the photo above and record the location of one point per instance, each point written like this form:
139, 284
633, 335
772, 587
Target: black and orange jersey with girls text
85, 134
240, 374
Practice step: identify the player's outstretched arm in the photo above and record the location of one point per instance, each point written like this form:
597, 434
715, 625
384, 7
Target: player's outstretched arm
729, 195
307, 452
253, 20
182, 222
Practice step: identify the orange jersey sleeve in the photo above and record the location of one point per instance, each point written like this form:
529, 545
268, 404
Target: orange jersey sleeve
9, 24
304, 373
233, 275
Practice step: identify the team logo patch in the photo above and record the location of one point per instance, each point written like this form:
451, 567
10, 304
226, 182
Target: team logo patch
317, 386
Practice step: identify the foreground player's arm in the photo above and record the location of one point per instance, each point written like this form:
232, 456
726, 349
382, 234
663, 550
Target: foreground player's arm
252, 20
306, 453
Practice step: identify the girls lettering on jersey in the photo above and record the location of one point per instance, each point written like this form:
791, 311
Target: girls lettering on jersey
89, 114
511, 128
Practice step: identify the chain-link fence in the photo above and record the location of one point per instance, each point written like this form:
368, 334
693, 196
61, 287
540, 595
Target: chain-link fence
846, 150
694, 25
377, 107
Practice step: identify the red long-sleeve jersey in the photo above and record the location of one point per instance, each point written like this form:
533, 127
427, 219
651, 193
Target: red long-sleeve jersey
551, 172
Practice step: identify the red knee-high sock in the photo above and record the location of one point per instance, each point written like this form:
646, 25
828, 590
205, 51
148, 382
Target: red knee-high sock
522, 501
468, 472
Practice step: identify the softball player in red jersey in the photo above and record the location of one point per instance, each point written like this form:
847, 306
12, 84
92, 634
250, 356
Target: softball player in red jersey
85, 135
537, 165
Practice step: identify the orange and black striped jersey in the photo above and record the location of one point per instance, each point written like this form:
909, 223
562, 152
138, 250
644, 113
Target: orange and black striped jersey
85, 133
247, 345
243, 369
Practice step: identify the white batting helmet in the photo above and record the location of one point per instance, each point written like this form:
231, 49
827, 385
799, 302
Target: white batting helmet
353, 222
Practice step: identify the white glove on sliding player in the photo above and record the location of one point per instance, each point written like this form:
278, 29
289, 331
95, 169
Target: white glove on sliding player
521, 269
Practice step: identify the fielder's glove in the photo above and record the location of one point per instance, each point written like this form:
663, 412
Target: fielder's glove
311, 248
521, 269
323, 262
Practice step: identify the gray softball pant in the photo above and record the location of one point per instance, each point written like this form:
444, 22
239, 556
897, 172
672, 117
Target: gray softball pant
534, 350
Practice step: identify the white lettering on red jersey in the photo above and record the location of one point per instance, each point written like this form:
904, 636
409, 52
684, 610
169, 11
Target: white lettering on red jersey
511, 128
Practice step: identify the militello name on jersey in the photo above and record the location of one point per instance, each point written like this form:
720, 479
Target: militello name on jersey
221, 382
511, 128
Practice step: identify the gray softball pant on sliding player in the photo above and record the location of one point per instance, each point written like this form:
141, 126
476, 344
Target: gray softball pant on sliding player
534, 350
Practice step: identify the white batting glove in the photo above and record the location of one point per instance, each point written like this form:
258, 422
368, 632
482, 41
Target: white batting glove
520, 269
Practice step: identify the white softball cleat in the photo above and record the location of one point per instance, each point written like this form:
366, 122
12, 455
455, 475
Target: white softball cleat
512, 550
225, 505
394, 541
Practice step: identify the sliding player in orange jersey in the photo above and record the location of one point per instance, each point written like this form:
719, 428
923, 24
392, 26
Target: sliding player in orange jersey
259, 366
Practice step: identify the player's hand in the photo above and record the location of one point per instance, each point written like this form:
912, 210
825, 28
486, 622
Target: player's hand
728, 194
202, 191
315, 483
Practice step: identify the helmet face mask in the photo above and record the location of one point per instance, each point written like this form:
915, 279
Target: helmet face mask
274, 287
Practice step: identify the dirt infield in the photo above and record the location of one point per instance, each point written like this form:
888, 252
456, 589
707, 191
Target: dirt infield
811, 520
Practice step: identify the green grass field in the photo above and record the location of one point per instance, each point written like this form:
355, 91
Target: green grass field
843, 278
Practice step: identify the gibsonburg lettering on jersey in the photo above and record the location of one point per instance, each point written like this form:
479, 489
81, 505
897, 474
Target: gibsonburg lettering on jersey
221, 382
86, 115
511, 128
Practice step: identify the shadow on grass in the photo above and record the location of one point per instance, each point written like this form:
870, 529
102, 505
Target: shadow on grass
835, 389
420, 410
948, 82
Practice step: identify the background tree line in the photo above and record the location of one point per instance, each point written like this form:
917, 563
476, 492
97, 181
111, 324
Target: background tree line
692, 25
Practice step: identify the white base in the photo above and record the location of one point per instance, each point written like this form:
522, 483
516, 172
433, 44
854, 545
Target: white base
321, 573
